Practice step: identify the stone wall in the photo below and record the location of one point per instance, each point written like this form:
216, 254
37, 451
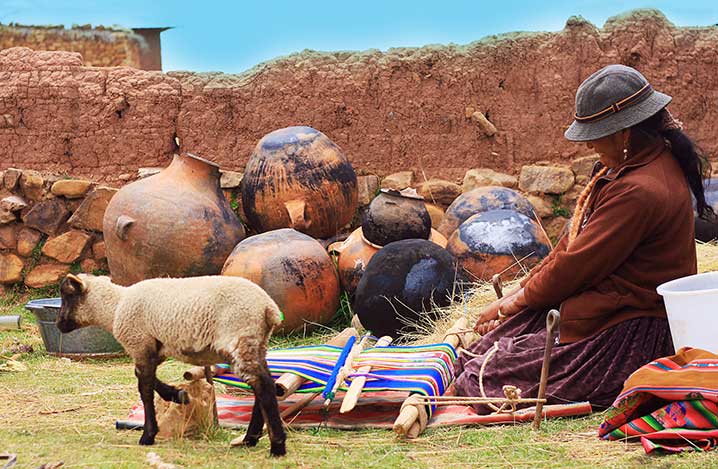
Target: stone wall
51, 225
501, 102
99, 47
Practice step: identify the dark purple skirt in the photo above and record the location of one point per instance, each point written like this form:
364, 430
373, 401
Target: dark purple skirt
592, 369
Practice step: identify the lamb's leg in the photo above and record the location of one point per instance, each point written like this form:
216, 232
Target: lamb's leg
145, 372
170, 393
270, 409
256, 424
265, 393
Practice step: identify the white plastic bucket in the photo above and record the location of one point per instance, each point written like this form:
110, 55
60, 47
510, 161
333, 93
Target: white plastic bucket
692, 307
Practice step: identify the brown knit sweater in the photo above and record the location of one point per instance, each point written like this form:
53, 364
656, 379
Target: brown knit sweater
638, 233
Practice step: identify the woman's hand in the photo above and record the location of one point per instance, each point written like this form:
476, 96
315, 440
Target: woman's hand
513, 304
488, 314
489, 318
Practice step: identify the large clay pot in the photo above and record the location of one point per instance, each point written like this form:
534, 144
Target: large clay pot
401, 285
707, 230
298, 178
176, 223
480, 200
295, 270
493, 242
355, 253
394, 215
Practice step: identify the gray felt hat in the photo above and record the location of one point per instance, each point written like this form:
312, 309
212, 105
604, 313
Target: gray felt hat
612, 99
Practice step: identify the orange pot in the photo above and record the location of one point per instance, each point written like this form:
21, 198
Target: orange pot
298, 178
354, 255
493, 242
295, 270
176, 223
480, 200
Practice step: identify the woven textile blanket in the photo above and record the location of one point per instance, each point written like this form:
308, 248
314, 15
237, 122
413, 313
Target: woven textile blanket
422, 369
671, 404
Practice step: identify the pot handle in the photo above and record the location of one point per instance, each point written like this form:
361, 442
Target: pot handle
296, 209
122, 226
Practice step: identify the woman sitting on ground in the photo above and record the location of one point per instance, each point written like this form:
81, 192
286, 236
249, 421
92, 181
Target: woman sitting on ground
632, 230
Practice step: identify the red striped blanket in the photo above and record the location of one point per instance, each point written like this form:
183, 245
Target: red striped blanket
671, 404
375, 410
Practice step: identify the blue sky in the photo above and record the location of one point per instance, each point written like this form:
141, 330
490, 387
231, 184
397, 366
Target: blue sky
233, 36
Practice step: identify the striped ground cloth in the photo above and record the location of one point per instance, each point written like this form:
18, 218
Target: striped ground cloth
374, 410
421, 369
671, 404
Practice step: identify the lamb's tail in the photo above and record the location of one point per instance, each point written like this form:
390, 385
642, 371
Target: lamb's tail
273, 316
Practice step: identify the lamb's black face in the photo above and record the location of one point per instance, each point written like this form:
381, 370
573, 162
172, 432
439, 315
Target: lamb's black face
71, 291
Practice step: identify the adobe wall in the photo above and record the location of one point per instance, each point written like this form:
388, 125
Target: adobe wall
99, 47
389, 111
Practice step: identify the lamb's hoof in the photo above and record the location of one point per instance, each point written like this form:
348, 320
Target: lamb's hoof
278, 449
245, 440
182, 397
147, 439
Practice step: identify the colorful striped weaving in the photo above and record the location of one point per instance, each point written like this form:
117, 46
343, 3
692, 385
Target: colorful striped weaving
688, 381
422, 369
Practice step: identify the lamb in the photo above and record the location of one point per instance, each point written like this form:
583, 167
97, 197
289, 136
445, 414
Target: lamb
198, 320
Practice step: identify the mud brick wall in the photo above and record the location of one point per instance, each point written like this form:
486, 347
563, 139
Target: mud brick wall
502, 102
99, 47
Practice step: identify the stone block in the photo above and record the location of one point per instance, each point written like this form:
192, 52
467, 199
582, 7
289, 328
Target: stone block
482, 177
32, 185
542, 207
47, 216
8, 236
398, 181
67, 247
71, 188
556, 227
10, 268
230, 179
436, 214
98, 250
27, 240
439, 191
367, 187
89, 265
46, 274
11, 178
7, 216
583, 166
13, 203
88, 215
545, 179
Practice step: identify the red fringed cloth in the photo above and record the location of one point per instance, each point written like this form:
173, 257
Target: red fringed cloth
671, 404
374, 410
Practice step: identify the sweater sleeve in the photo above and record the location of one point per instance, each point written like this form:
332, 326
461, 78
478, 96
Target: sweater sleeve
560, 246
621, 219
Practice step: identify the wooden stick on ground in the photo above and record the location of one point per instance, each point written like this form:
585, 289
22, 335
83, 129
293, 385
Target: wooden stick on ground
288, 383
552, 321
352, 395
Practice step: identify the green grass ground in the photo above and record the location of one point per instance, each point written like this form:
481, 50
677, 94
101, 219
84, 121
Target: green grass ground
60, 410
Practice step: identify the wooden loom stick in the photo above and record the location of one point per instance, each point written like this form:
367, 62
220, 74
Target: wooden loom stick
352, 395
198, 372
288, 383
552, 322
409, 421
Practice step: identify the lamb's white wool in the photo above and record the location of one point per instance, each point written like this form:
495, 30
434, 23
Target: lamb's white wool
198, 320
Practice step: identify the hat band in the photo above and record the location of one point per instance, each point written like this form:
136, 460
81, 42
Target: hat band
629, 101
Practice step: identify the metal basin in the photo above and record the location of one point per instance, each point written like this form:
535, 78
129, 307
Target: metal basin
87, 342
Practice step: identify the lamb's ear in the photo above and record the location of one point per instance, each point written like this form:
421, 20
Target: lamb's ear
72, 285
